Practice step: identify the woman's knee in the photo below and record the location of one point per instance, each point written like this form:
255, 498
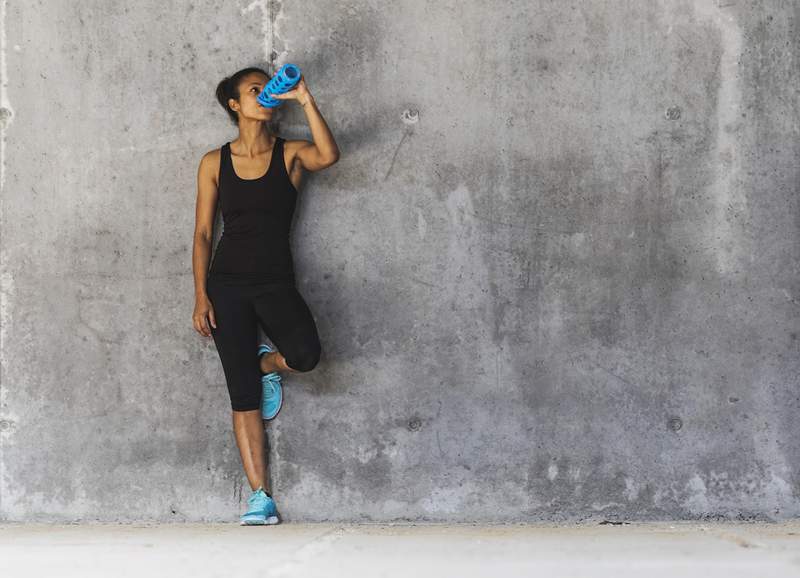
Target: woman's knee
245, 402
304, 359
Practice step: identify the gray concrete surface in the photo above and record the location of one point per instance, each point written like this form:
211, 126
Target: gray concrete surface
655, 550
555, 270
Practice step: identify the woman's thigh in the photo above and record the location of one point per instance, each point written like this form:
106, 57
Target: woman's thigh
287, 320
236, 339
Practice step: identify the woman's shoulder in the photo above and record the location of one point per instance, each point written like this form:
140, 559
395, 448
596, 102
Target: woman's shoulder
295, 144
214, 155
210, 161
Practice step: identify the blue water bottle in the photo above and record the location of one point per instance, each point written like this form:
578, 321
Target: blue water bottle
283, 81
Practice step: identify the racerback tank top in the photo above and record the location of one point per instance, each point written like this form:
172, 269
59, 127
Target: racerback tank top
256, 215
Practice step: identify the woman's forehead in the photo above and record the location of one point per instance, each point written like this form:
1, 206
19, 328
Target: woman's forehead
255, 77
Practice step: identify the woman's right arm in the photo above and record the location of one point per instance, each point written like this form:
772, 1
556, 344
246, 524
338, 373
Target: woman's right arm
203, 234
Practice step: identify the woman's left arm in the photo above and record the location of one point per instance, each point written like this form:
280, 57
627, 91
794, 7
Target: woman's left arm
323, 152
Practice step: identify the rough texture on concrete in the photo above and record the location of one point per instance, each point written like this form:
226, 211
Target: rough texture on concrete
657, 550
555, 270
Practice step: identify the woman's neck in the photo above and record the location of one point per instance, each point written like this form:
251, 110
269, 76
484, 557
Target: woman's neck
254, 139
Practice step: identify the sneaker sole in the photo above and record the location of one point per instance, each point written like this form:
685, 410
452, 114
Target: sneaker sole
269, 521
267, 349
252, 522
280, 405
263, 349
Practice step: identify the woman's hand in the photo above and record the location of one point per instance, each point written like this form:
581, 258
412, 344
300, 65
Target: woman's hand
299, 93
203, 312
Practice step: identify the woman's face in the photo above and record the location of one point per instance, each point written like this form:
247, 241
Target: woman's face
250, 86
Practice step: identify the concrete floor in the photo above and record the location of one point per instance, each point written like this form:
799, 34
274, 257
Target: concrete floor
664, 549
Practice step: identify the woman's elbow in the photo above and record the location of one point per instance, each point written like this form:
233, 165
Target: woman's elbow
202, 235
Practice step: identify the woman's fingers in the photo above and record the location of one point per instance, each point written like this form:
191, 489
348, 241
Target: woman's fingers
212, 317
201, 325
292, 93
198, 325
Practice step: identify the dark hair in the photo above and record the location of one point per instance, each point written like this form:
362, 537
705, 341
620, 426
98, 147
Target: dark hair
229, 88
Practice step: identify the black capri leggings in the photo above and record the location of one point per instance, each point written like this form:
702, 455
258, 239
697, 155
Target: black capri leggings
283, 315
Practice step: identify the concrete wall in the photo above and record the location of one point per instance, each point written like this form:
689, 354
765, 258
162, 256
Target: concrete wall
555, 271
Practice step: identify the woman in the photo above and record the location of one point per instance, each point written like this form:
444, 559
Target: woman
251, 280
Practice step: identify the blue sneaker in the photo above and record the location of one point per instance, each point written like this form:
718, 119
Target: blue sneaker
256, 509
260, 510
270, 512
272, 392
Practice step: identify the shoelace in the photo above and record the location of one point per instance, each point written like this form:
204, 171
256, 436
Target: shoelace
260, 502
257, 498
271, 380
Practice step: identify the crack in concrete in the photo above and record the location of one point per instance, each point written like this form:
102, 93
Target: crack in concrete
396, 150
737, 539
307, 551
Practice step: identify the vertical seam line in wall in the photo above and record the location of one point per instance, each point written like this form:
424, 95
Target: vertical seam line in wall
5, 117
267, 28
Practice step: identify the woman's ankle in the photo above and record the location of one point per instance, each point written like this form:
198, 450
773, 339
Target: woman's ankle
268, 362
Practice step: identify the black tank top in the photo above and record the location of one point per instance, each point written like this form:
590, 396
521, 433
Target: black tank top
256, 215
